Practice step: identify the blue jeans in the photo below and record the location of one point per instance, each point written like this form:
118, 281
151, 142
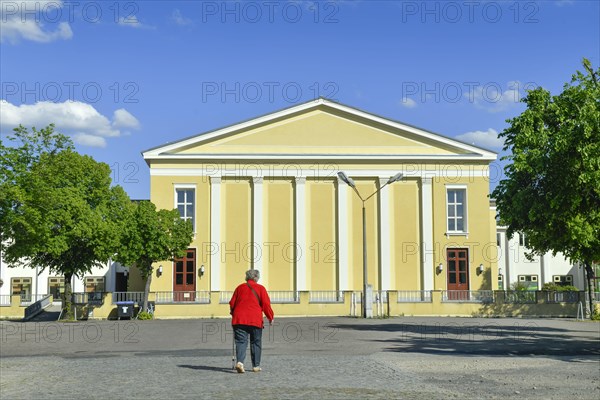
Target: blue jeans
241, 333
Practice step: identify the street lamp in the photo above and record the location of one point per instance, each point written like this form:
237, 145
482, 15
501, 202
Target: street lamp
351, 183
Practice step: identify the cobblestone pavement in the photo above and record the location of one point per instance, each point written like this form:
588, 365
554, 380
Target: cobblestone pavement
326, 358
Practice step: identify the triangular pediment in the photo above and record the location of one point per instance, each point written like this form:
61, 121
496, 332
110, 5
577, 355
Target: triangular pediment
319, 129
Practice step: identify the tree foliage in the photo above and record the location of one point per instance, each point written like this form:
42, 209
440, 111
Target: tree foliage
552, 187
21, 150
63, 213
151, 236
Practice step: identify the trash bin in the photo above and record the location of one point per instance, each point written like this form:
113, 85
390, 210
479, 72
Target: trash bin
125, 309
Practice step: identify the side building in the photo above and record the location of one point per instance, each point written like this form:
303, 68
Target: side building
515, 269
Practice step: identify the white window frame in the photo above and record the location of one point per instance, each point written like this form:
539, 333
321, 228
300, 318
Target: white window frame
184, 186
523, 242
465, 230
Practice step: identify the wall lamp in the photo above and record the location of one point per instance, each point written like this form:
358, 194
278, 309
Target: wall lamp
440, 268
480, 269
159, 271
201, 270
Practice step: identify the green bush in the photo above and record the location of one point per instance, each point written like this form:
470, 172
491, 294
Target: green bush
553, 287
518, 286
595, 312
145, 315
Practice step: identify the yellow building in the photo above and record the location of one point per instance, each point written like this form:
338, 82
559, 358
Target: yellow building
265, 194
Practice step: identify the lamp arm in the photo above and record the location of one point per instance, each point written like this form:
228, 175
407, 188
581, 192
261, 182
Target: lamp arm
375, 192
356, 190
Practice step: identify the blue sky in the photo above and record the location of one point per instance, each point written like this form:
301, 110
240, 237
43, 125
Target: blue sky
122, 77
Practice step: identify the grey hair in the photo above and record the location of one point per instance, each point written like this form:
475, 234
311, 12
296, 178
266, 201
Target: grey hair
253, 274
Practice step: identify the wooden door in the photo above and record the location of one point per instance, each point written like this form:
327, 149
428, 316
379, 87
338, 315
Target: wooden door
458, 274
184, 277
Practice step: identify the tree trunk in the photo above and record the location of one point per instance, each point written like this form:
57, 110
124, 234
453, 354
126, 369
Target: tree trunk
68, 298
589, 273
147, 290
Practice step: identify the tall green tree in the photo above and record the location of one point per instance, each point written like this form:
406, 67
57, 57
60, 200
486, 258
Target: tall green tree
151, 236
68, 218
552, 188
18, 153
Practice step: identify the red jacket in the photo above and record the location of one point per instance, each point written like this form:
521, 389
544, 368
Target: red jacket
245, 308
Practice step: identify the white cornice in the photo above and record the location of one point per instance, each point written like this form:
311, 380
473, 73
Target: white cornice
299, 172
324, 157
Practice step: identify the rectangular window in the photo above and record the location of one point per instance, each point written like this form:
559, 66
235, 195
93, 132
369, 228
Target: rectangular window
523, 242
528, 282
457, 207
562, 280
22, 287
498, 240
185, 202
56, 287
94, 284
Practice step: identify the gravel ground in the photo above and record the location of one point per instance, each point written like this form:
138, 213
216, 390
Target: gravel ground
326, 358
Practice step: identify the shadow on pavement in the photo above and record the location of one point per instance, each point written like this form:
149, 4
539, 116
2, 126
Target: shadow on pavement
492, 339
207, 368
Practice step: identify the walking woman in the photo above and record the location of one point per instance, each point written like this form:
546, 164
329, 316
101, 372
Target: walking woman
247, 305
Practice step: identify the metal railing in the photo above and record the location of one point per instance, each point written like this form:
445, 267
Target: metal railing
198, 297
284, 296
326, 296
468, 296
5, 300
91, 298
520, 297
225, 297
380, 296
136, 297
355, 303
27, 299
414, 296
562, 297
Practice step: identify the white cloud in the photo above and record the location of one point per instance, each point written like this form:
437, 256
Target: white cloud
494, 98
487, 139
25, 20
133, 22
123, 119
408, 102
74, 117
89, 140
179, 19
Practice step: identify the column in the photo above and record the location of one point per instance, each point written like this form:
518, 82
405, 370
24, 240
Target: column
427, 245
545, 274
385, 236
301, 245
343, 233
215, 234
257, 228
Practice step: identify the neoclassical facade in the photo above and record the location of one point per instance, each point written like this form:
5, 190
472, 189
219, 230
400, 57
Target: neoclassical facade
265, 194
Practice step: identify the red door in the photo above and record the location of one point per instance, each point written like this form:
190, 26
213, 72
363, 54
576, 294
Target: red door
458, 274
184, 277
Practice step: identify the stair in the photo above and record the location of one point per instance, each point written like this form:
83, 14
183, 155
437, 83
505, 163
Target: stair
51, 313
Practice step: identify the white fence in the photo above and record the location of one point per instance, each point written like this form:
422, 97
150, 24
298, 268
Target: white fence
201, 297
326, 296
414, 296
466, 296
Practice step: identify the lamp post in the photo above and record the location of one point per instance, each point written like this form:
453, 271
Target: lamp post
350, 182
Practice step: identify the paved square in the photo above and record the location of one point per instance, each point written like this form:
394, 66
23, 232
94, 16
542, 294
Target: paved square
325, 358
